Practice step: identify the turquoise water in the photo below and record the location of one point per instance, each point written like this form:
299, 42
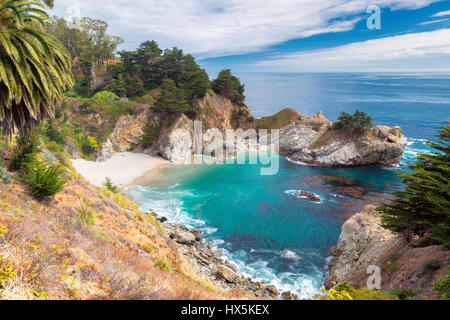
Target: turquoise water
261, 222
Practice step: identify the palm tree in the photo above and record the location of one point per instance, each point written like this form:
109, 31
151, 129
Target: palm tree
35, 67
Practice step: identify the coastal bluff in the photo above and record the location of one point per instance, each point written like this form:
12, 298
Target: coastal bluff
313, 140
403, 266
307, 139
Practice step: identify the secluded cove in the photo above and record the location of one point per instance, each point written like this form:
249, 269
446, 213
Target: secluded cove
260, 223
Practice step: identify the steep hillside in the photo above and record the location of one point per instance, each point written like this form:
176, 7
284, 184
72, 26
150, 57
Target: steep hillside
88, 243
409, 268
280, 120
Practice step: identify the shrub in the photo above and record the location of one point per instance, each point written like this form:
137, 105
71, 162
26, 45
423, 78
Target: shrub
45, 179
5, 273
391, 264
105, 96
86, 213
163, 264
367, 294
432, 265
54, 134
343, 291
358, 122
147, 248
229, 86
71, 94
442, 287
25, 152
151, 135
405, 294
111, 186
5, 176
88, 145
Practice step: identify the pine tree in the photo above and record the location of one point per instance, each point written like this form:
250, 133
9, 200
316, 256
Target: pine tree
423, 208
229, 86
172, 99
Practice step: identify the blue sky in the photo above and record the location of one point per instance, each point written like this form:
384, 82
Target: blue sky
286, 35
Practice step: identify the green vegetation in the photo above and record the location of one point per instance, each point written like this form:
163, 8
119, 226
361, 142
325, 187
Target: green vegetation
163, 264
422, 208
149, 67
151, 135
343, 291
405, 294
45, 179
172, 99
25, 152
442, 287
229, 86
105, 96
54, 134
35, 67
280, 120
111, 186
6, 273
358, 122
88, 145
90, 46
432, 265
86, 213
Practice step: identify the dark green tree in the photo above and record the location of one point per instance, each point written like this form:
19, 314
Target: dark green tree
423, 208
358, 122
171, 99
229, 86
195, 80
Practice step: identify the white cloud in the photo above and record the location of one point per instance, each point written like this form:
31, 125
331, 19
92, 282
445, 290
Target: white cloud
433, 21
222, 27
426, 51
442, 14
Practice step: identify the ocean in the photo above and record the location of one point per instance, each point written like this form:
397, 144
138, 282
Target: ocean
262, 223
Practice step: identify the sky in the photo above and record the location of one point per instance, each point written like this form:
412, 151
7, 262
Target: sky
285, 35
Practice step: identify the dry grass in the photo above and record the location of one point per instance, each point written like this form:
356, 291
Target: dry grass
57, 251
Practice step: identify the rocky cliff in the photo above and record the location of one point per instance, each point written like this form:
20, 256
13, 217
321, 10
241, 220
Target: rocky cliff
313, 141
364, 242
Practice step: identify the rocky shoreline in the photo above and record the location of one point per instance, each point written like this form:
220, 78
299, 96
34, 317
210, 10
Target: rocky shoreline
209, 262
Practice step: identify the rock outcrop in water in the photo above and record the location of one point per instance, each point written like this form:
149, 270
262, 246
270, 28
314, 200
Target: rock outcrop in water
313, 141
364, 242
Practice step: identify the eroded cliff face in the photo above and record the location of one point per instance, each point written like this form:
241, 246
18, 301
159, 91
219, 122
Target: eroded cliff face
313, 141
175, 143
364, 242
172, 139
308, 139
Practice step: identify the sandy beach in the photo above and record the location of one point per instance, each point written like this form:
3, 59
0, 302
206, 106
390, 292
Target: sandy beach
122, 168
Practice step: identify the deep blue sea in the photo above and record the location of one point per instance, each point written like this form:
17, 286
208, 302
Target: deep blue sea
260, 222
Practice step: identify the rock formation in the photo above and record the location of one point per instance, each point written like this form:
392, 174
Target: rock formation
209, 262
126, 136
313, 141
176, 144
364, 242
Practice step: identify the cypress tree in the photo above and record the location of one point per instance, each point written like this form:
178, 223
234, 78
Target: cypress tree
423, 208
